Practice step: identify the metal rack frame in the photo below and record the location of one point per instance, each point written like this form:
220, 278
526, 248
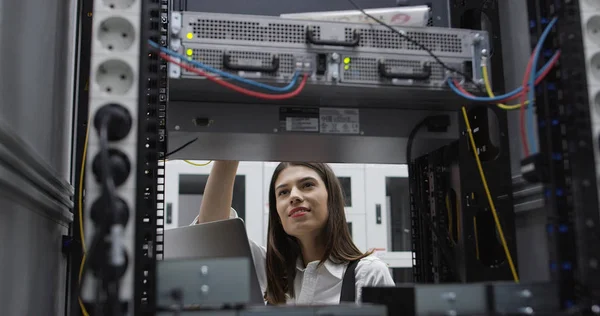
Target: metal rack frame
565, 131
152, 149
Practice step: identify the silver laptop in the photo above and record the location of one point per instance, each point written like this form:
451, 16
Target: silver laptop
220, 239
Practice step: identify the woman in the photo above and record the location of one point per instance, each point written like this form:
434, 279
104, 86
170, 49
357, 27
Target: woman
309, 246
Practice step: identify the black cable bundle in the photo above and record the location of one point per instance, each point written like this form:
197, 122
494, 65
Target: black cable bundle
434, 123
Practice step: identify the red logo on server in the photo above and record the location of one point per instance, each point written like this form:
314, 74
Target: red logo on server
400, 18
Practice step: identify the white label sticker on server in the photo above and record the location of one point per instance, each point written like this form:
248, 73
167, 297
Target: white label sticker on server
339, 121
301, 124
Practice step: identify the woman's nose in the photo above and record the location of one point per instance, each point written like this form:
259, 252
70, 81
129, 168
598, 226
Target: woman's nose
295, 196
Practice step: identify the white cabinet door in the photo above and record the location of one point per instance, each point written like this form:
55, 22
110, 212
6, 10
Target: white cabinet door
265, 230
377, 217
352, 178
268, 169
356, 223
254, 202
252, 171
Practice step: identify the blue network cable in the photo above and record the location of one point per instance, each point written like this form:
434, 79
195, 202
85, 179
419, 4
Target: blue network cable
207, 68
498, 98
531, 93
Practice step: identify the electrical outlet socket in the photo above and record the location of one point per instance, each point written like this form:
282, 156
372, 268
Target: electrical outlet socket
593, 29
114, 77
127, 102
118, 4
116, 34
127, 195
596, 105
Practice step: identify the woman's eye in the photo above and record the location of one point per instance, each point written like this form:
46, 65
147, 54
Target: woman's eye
308, 184
282, 192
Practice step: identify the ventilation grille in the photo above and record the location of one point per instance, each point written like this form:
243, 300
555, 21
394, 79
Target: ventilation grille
365, 69
252, 31
214, 58
292, 33
448, 43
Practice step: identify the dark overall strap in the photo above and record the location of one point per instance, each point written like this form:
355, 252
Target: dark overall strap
348, 293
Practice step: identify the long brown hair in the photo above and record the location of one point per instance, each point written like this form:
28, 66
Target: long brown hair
283, 250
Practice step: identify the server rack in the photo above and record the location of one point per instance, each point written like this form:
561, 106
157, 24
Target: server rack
567, 129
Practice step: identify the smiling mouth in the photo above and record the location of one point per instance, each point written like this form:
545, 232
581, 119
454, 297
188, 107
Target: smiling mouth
299, 211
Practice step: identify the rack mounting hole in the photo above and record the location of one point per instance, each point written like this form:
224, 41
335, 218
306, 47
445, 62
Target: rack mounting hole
114, 77
118, 4
116, 34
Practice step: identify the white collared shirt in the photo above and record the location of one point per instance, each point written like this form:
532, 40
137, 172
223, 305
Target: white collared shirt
322, 285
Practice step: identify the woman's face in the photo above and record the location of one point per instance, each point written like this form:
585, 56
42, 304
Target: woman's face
301, 198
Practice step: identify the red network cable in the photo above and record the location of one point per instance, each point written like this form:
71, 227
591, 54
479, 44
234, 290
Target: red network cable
522, 95
537, 81
236, 88
522, 99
